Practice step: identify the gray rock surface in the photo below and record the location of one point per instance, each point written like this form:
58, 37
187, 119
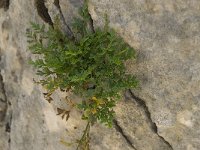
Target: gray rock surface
27, 121
162, 114
166, 36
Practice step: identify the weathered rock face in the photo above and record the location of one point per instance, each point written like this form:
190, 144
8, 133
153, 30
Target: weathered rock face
163, 114
166, 35
27, 121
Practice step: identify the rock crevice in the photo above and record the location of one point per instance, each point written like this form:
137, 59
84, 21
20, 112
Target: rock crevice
3, 100
142, 103
4, 4
67, 28
5, 112
120, 130
43, 11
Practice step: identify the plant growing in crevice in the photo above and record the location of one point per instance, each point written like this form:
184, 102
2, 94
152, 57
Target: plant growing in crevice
91, 65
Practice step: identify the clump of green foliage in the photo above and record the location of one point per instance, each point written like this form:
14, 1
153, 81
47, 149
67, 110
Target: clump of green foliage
91, 65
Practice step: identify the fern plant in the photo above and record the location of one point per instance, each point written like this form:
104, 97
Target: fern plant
91, 65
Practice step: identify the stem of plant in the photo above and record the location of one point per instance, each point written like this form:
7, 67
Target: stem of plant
85, 139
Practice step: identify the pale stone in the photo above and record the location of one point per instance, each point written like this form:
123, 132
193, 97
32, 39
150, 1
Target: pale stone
166, 36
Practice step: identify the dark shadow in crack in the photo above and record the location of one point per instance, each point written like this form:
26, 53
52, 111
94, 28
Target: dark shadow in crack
140, 102
43, 11
120, 130
4, 4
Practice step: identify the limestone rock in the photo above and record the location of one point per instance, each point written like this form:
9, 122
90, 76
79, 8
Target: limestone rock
165, 35
162, 114
31, 122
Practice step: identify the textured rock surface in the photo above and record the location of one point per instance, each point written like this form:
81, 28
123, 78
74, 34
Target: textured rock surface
166, 35
30, 122
163, 114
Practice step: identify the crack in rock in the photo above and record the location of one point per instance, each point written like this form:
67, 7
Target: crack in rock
68, 29
4, 4
8, 129
43, 11
3, 100
91, 24
120, 130
153, 125
6, 114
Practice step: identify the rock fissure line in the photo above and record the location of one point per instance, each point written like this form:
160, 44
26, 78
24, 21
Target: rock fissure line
153, 126
43, 11
91, 24
7, 114
3, 100
4, 4
120, 130
9, 131
69, 31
